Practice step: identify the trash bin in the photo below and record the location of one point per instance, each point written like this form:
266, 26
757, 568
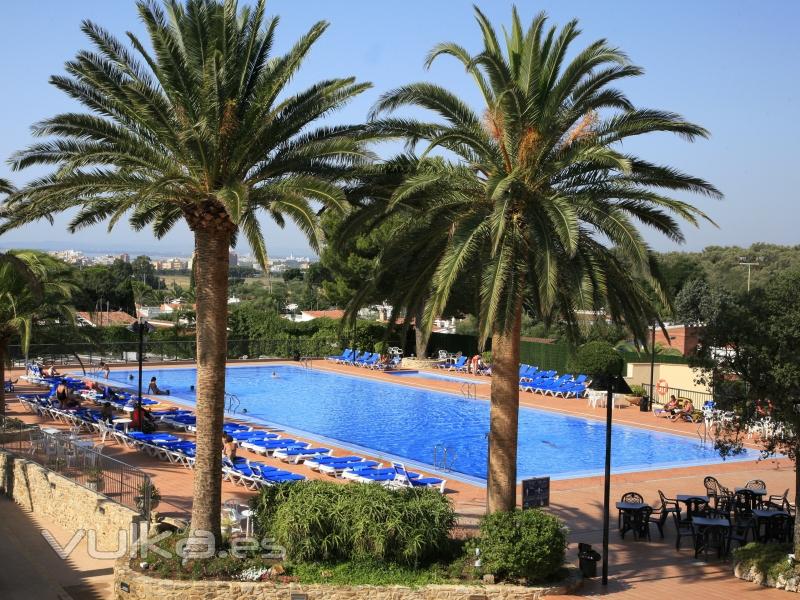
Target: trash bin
644, 405
587, 560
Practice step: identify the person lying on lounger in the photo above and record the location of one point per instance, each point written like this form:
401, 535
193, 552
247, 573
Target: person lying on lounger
670, 408
686, 411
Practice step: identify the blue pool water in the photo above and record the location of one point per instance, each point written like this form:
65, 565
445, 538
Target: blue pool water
406, 422
438, 377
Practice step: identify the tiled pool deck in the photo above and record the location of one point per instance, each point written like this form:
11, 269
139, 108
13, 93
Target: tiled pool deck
638, 569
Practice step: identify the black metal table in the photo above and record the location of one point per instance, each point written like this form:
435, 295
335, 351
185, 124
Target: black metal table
711, 532
631, 515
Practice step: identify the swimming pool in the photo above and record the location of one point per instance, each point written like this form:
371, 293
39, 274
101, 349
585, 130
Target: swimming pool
439, 377
407, 422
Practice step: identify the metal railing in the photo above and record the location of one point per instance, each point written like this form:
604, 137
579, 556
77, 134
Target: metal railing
89, 355
71, 458
697, 398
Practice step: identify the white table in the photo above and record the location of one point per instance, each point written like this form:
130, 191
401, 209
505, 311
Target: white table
124, 421
51, 430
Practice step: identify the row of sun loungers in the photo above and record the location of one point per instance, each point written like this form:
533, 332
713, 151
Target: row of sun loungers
250, 474
369, 360
549, 383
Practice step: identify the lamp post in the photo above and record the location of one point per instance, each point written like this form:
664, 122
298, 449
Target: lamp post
140, 327
652, 362
607, 475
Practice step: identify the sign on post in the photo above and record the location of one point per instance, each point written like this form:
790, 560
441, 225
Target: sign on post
535, 492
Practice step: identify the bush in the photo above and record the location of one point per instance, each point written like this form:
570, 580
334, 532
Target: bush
324, 521
597, 359
522, 543
768, 559
638, 390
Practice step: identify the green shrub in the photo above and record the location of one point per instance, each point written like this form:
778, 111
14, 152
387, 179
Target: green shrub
597, 359
768, 559
522, 543
638, 390
324, 521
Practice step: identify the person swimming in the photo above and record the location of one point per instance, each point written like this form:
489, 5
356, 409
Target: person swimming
274, 375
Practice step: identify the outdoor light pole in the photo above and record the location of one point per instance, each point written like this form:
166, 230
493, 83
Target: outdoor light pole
607, 479
140, 326
652, 361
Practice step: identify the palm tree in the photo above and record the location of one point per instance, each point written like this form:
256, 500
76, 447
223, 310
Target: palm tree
543, 202
202, 130
33, 285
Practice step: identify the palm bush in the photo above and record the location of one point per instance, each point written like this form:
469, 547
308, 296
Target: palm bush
538, 199
323, 521
200, 129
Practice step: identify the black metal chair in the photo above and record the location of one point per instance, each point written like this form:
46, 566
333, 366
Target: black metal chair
777, 502
695, 507
632, 497
756, 484
660, 515
640, 523
712, 488
780, 529
723, 507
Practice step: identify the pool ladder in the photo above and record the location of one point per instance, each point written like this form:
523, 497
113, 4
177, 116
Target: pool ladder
469, 390
305, 362
231, 402
443, 458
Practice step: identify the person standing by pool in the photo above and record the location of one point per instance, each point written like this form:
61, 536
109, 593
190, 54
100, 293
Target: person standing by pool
104, 369
229, 448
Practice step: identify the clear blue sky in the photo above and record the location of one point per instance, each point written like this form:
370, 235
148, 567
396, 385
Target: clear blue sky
730, 66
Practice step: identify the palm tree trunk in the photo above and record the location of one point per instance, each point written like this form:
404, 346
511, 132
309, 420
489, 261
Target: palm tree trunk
796, 498
3, 344
420, 334
212, 245
504, 417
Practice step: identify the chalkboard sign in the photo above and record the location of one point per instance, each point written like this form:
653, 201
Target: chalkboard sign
535, 492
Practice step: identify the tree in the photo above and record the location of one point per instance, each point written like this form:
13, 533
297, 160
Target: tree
292, 274
543, 202
750, 353
200, 129
33, 285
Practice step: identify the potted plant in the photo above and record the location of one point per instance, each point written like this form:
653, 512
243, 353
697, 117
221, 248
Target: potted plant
636, 395
155, 496
94, 479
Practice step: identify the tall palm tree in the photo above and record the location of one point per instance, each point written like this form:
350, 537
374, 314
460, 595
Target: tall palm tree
33, 285
543, 202
201, 129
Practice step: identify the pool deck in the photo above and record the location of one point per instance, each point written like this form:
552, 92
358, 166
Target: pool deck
638, 569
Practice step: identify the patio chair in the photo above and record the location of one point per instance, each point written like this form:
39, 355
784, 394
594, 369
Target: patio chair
661, 514
777, 502
695, 507
756, 484
634, 497
780, 529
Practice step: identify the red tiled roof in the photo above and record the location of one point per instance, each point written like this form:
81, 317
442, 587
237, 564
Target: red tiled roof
107, 318
323, 314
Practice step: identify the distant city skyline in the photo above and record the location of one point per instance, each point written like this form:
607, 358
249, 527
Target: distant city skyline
724, 65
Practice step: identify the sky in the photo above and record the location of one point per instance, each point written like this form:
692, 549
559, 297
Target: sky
729, 66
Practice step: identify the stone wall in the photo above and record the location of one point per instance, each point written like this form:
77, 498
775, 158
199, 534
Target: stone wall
62, 501
133, 585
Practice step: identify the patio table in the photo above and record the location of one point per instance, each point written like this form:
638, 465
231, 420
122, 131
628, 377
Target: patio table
711, 532
761, 516
630, 515
684, 497
760, 493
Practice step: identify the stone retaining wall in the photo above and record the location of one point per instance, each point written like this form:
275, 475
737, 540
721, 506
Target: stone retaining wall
72, 506
133, 585
751, 573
